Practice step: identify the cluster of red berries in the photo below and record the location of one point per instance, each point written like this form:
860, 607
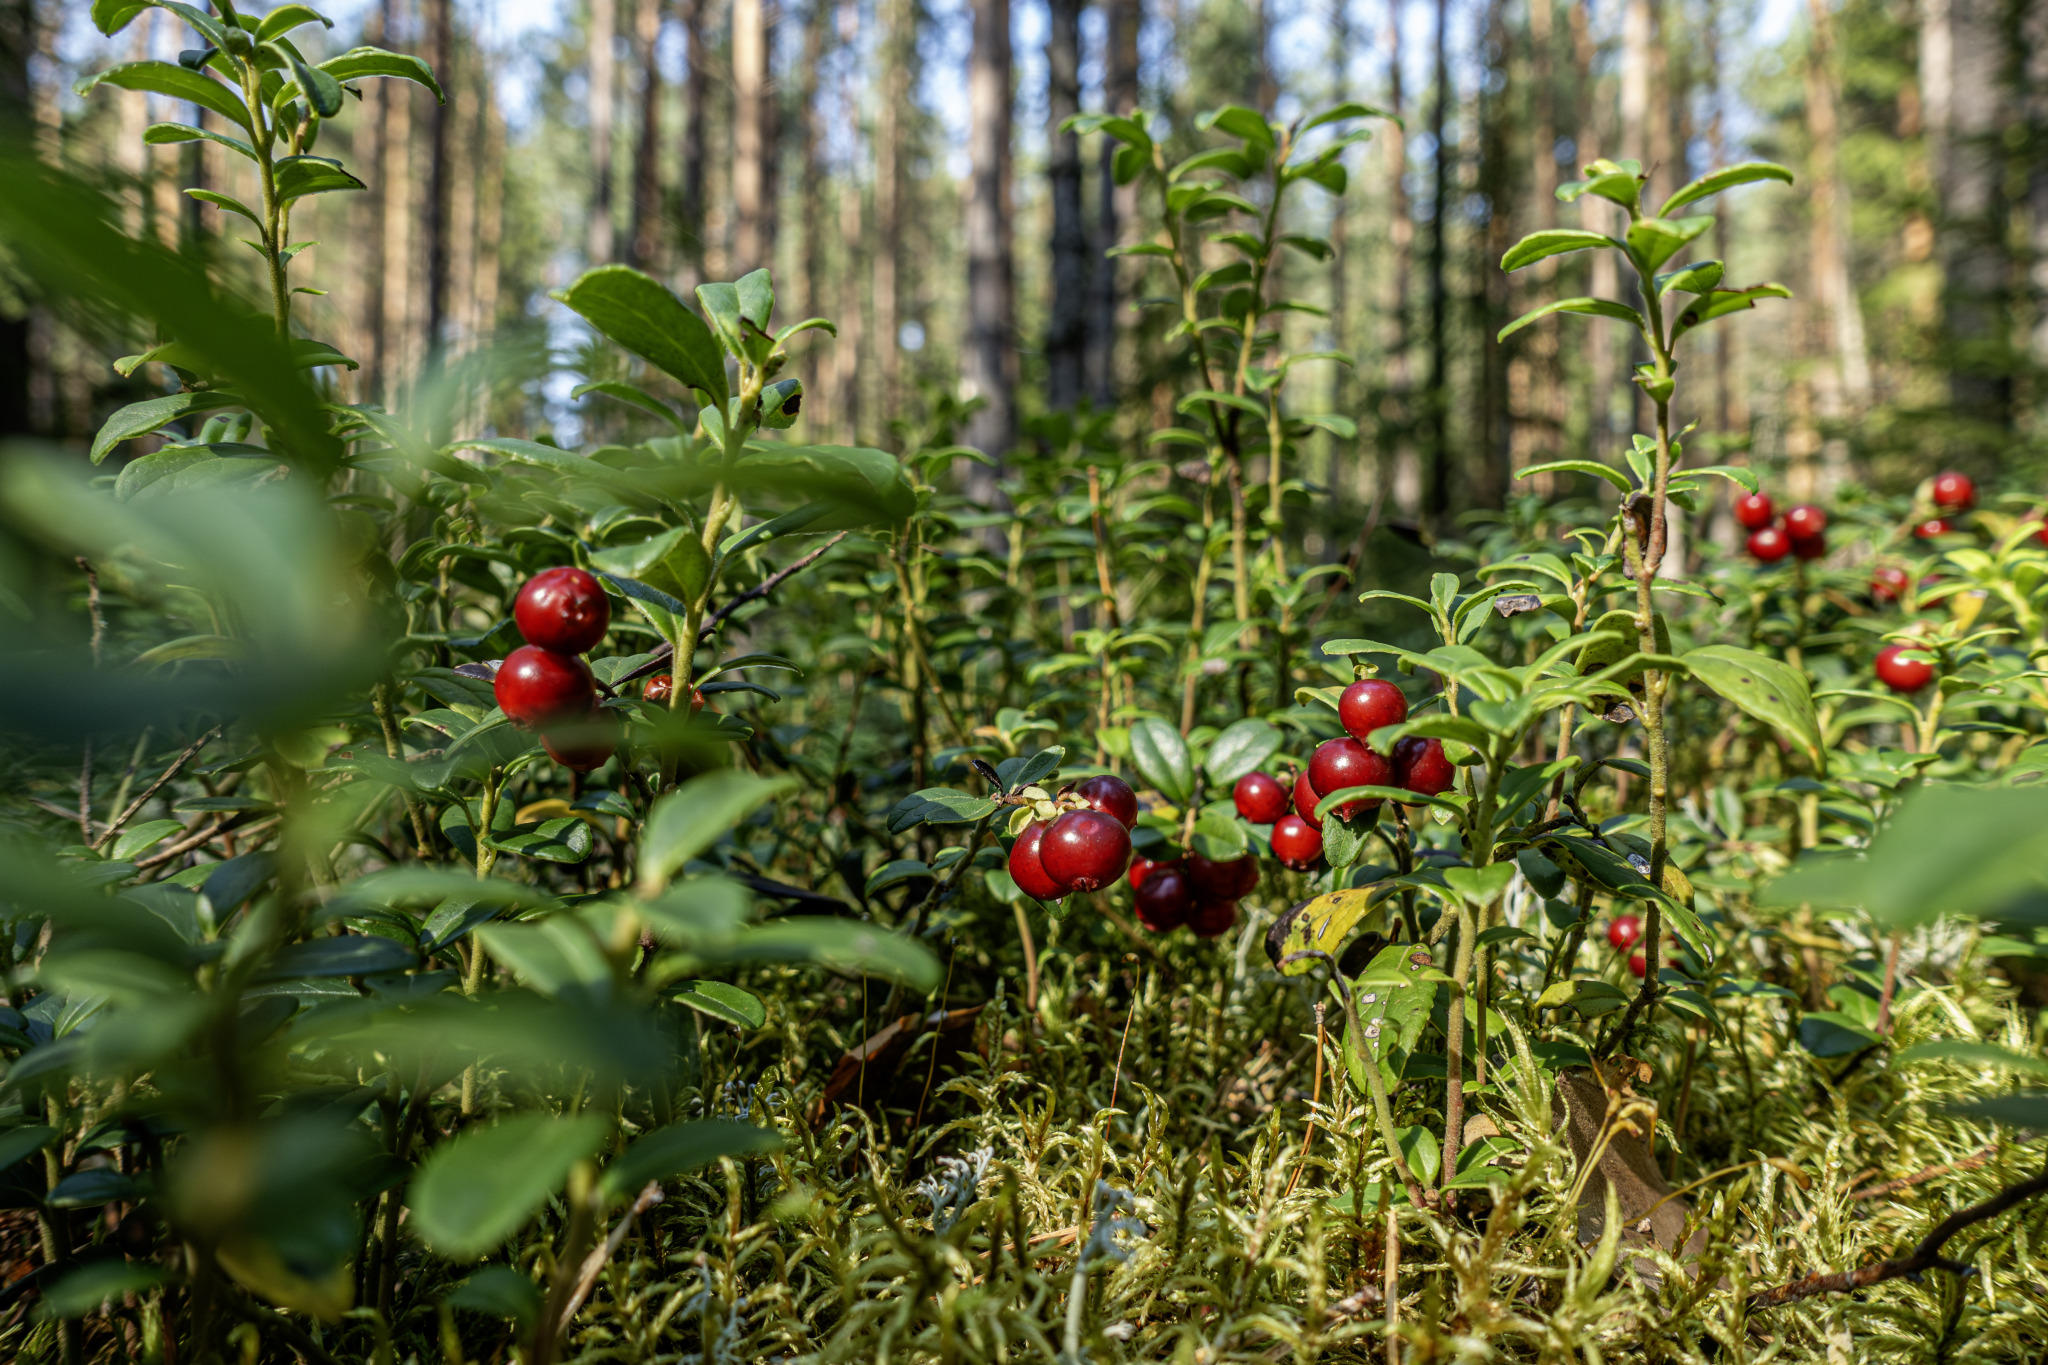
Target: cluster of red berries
1084, 849
1802, 532
1417, 765
1194, 891
544, 684
1952, 495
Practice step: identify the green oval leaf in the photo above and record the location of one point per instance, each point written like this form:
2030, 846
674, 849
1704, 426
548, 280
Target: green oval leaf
1770, 690
479, 1189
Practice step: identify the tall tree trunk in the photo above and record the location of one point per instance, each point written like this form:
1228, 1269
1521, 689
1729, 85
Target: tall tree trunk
441, 54
131, 152
490, 218
1638, 139
1843, 388
810, 284
1963, 84
846, 355
471, 108
368, 246
1114, 204
1438, 397
696, 71
899, 46
396, 317
647, 215
1535, 382
604, 28
1340, 255
1596, 215
1398, 455
2034, 40
991, 305
17, 356
749, 131
1067, 325
1494, 478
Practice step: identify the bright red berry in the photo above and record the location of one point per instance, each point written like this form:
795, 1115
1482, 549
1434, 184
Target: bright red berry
1141, 868
1903, 674
1211, 918
1027, 870
1888, 583
1638, 964
1755, 511
1624, 931
1809, 547
584, 745
1340, 763
537, 686
1305, 799
1770, 544
659, 688
1954, 492
1932, 527
1225, 880
1110, 795
1805, 521
563, 609
1368, 704
1420, 766
1296, 843
1260, 798
1085, 850
1165, 899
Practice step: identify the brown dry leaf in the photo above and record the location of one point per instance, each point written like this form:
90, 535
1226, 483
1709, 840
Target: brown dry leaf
867, 1075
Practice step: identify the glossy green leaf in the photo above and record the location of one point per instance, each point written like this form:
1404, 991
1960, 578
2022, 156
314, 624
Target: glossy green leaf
682, 1148
1240, 749
174, 82
1162, 759
1769, 689
359, 63
645, 316
721, 1000
695, 816
299, 176
1593, 467
153, 414
1539, 246
478, 1189
1591, 307
1728, 177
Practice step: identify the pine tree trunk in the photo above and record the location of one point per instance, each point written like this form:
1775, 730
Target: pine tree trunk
396, 317
17, 46
898, 46
1842, 387
604, 27
1066, 329
749, 133
691, 191
1399, 454
1595, 215
647, 215
990, 362
441, 56
1438, 396
1495, 475
810, 283
846, 354
1114, 204
1534, 381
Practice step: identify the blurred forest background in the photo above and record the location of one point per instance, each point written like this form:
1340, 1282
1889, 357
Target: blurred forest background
898, 163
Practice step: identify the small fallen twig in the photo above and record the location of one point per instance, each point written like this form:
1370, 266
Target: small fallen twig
593, 1264
177, 766
1924, 1257
1968, 1163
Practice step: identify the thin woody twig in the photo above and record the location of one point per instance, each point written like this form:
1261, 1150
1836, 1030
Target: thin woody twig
593, 1264
1926, 1256
664, 653
177, 765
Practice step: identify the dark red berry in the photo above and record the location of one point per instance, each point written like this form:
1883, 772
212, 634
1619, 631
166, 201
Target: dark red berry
1420, 766
1260, 798
563, 609
1770, 545
1141, 868
1340, 763
1624, 931
1110, 795
1027, 871
1805, 521
1165, 899
1223, 880
1903, 674
1954, 492
1211, 918
1809, 547
585, 744
1754, 511
1296, 843
1368, 704
1638, 964
1932, 527
1305, 799
1888, 583
1085, 850
536, 686
659, 689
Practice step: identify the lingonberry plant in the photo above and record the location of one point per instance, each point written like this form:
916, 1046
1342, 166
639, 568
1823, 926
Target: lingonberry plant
715, 896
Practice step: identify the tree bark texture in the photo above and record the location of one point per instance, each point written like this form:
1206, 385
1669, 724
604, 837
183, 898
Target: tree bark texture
749, 133
1115, 204
440, 25
990, 367
1438, 397
691, 188
1067, 325
645, 246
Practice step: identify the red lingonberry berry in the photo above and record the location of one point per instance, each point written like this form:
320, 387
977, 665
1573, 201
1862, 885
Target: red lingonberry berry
1368, 704
1296, 843
1805, 521
1755, 511
1903, 674
1305, 799
1638, 964
1420, 766
1809, 547
1770, 544
1164, 900
1340, 763
1932, 527
585, 744
1027, 870
536, 686
1085, 850
1226, 880
1260, 798
1624, 931
1888, 583
1211, 918
659, 689
1110, 795
1141, 868
562, 609
1953, 492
